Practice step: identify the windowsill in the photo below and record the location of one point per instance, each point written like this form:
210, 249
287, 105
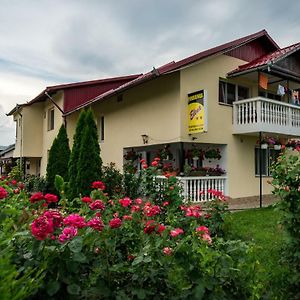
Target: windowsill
225, 104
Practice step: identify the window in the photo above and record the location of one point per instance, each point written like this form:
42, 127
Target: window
101, 128
269, 156
51, 119
269, 95
229, 92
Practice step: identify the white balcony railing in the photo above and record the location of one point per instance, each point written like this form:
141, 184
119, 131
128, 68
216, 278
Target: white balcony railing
262, 114
195, 189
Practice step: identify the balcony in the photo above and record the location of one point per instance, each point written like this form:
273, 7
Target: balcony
253, 115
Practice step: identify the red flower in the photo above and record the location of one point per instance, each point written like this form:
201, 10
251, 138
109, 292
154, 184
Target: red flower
98, 185
96, 223
157, 159
130, 257
97, 204
67, 234
175, 232
150, 210
14, 182
127, 217
115, 223
149, 227
36, 197
168, 251
161, 228
144, 166
56, 217
3, 193
21, 186
166, 203
135, 208
193, 211
142, 161
86, 199
154, 163
125, 201
16, 191
50, 198
138, 201
202, 230
42, 227
75, 220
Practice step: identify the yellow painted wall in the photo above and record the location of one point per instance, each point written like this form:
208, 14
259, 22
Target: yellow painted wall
49, 136
29, 131
151, 108
240, 155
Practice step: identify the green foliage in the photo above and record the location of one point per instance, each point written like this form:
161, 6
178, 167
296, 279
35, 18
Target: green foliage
74, 157
59, 155
17, 171
113, 180
35, 184
89, 162
286, 180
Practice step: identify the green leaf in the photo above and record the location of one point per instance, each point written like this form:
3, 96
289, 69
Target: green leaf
59, 183
76, 244
138, 260
52, 288
73, 289
139, 293
199, 291
79, 257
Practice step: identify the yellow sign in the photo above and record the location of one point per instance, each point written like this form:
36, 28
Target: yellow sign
196, 112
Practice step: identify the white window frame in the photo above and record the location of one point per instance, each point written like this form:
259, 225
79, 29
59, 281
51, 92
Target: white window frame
267, 162
236, 89
101, 128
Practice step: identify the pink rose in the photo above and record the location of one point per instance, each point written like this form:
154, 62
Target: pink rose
50, 198
3, 193
125, 201
97, 204
98, 185
168, 251
175, 232
75, 220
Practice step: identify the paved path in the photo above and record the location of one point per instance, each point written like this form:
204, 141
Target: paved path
251, 202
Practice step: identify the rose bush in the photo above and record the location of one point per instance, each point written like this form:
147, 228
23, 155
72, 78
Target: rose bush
124, 248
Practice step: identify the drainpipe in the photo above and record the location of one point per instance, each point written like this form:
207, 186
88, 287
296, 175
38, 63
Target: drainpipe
56, 105
260, 170
21, 142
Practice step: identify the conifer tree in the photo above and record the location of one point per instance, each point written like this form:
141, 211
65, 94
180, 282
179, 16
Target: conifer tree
89, 162
73, 163
59, 156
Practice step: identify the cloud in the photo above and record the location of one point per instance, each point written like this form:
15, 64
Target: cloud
52, 41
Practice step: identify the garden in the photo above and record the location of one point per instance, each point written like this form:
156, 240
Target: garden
88, 231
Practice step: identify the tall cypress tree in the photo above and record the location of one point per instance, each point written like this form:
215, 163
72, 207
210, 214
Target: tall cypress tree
89, 163
73, 163
59, 156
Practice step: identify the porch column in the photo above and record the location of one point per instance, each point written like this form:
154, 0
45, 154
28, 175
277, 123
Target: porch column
181, 157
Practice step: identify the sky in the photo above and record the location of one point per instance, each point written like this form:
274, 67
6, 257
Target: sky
49, 42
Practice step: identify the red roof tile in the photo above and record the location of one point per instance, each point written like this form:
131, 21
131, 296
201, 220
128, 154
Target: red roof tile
266, 59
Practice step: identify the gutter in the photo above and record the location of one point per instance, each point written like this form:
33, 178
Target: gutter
57, 106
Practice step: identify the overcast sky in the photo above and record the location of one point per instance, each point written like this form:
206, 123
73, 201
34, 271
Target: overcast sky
48, 42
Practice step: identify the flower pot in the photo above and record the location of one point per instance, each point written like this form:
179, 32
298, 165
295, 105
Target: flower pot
264, 146
277, 147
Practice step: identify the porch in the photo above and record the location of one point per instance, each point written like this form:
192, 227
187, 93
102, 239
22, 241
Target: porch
196, 189
199, 167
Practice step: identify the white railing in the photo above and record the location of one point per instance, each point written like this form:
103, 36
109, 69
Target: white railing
195, 189
262, 114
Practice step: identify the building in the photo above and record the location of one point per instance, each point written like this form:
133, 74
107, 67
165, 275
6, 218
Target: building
6, 159
205, 113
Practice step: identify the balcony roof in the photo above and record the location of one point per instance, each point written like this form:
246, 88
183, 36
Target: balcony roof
268, 62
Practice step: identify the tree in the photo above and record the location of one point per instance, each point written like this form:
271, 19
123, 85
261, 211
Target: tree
73, 170
89, 162
59, 156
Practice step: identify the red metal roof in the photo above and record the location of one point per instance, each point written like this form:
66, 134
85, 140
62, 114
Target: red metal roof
83, 91
266, 59
174, 66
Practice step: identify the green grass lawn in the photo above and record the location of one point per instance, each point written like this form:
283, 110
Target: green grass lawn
261, 227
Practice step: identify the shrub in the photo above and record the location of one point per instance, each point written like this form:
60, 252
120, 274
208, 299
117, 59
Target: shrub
286, 180
74, 157
89, 161
113, 180
59, 155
